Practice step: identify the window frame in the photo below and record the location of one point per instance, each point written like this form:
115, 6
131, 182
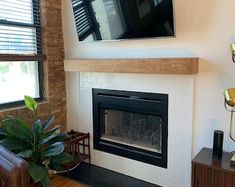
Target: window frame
39, 57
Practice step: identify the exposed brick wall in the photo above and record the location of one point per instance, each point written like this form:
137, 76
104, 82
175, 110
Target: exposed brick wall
54, 75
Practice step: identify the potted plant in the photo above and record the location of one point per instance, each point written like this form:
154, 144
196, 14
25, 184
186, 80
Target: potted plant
40, 144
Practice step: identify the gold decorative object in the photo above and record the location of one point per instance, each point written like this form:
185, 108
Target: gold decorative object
233, 51
229, 103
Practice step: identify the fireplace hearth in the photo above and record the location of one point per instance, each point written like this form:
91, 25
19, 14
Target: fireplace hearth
131, 124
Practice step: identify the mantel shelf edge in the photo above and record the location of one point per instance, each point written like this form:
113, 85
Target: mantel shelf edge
181, 66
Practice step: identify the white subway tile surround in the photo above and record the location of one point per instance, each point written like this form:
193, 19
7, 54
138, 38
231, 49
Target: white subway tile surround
180, 89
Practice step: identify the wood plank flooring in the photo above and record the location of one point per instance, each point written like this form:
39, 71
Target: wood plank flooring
58, 181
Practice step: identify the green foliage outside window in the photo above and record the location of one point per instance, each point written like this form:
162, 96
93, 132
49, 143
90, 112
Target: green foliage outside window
24, 67
4, 69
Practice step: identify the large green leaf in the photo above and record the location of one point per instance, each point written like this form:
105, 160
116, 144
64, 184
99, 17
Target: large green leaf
62, 158
46, 182
50, 135
37, 130
2, 133
48, 138
25, 154
51, 131
36, 156
17, 128
14, 144
61, 137
37, 173
54, 149
30, 103
48, 122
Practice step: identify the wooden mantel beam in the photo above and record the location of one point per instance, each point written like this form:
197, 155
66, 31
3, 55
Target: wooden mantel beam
182, 66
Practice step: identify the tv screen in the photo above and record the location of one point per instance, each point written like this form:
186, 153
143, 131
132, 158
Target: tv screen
123, 19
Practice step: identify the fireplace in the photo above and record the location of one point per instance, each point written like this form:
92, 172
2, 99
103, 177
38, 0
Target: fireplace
131, 124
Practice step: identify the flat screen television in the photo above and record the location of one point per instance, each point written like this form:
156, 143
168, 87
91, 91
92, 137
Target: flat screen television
123, 19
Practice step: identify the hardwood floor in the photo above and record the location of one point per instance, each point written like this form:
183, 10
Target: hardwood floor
58, 181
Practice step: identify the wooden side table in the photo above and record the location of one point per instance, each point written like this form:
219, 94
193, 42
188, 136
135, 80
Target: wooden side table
78, 145
208, 172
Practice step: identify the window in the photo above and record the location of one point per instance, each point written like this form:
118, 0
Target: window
20, 50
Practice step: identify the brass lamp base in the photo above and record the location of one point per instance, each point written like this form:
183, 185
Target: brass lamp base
232, 160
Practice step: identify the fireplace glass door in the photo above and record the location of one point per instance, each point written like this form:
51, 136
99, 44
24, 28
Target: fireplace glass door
132, 129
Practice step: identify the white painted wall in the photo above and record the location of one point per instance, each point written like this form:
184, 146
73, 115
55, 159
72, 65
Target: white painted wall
203, 28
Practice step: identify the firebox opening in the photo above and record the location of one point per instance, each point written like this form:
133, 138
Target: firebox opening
133, 129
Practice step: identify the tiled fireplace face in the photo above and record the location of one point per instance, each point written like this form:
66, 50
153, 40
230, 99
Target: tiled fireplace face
180, 97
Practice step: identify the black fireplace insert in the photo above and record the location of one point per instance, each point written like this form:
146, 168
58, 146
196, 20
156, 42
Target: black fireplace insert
131, 124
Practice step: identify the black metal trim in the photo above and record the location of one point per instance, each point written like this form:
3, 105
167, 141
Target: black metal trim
18, 24
148, 103
41, 80
37, 19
